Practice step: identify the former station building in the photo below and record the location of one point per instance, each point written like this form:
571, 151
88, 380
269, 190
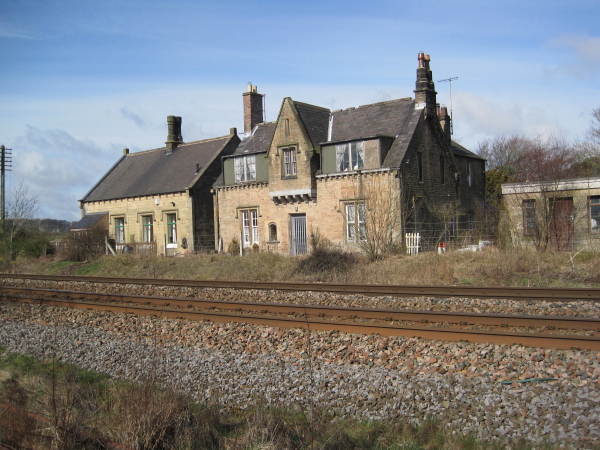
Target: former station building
370, 173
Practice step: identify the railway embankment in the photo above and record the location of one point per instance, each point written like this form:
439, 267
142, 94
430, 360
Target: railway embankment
352, 375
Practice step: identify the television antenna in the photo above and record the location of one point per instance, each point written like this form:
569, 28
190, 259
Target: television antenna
449, 81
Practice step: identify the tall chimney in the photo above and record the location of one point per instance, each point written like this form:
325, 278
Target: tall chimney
445, 123
425, 95
174, 137
253, 108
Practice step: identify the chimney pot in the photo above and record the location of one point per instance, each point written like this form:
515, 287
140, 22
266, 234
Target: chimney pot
126, 151
249, 86
174, 137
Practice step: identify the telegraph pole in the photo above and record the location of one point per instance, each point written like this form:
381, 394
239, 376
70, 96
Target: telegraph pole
5, 166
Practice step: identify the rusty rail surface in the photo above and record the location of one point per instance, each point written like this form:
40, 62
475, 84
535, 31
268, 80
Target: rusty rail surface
516, 320
544, 340
514, 293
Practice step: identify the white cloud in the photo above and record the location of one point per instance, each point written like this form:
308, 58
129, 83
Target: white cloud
128, 114
9, 32
481, 118
58, 168
585, 61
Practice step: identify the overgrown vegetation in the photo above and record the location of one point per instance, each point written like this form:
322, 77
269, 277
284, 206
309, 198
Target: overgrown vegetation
50, 405
491, 267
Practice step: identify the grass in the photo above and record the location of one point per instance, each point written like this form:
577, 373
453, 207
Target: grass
515, 267
50, 405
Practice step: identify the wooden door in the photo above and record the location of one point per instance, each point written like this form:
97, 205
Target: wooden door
562, 232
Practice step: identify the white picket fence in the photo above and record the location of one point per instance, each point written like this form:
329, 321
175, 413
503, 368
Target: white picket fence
413, 242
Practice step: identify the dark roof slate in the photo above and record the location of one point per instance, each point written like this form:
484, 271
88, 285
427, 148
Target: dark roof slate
258, 141
459, 150
394, 118
155, 172
89, 220
315, 120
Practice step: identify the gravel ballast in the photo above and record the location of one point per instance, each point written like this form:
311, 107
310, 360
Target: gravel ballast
369, 377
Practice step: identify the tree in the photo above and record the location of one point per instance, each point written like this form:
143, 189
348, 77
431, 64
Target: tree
375, 215
21, 209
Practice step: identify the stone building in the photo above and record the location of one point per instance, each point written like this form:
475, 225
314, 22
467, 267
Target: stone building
161, 198
562, 215
352, 176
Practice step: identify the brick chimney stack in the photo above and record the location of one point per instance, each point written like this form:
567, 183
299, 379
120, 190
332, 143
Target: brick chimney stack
445, 122
174, 137
253, 109
425, 95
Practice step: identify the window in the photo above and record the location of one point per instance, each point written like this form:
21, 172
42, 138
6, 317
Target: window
452, 227
356, 214
419, 166
529, 226
250, 227
350, 156
595, 214
147, 232
272, 232
471, 221
172, 228
245, 168
287, 127
442, 170
289, 162
119, 230
469, 174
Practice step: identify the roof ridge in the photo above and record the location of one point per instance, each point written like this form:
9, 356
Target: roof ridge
310, 104
404, 99
183, 144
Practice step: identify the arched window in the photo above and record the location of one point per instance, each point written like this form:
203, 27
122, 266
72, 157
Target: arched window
272, 232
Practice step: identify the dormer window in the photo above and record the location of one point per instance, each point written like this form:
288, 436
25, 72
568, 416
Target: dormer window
245, 168
350, 156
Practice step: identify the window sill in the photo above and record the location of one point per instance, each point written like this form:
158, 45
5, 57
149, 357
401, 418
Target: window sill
272, 242
293, 177
171, 245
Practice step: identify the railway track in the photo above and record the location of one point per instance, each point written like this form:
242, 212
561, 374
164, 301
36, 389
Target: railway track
513, 293
380, 321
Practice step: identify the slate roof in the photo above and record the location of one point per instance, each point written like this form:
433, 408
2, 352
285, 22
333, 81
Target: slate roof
315, 120
155, 172
258, 141
89, 220
459, 150
395, 118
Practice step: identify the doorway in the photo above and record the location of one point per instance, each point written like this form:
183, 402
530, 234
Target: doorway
298, 234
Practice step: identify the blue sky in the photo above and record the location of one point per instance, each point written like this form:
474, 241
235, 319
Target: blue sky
82, 80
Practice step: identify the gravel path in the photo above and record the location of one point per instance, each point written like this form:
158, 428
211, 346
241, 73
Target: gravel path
352, 375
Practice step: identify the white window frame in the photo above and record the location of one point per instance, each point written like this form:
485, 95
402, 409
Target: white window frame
356, 214
350, 156
172, 229
249, 227
147, 228
244, 168
289, 162
119, 230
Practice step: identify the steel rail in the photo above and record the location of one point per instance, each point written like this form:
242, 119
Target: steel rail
543, 340
560, 322
516, 293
